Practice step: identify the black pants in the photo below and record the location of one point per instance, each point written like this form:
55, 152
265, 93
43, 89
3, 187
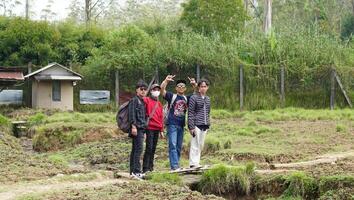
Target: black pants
137, 149
152, 138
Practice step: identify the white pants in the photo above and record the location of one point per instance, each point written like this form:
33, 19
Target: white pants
197, 144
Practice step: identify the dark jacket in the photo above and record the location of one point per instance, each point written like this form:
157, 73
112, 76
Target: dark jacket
198, 111
137, 112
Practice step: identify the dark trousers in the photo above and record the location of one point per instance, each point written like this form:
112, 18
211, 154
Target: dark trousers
152, 138
137, 149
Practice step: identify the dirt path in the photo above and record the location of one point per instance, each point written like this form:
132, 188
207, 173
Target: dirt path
325, 159
16, 191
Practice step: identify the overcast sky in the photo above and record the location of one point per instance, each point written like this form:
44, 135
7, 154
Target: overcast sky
60, 7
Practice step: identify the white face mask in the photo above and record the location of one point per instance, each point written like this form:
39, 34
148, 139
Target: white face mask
155, 93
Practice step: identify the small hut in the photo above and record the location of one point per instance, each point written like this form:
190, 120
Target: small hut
53, 87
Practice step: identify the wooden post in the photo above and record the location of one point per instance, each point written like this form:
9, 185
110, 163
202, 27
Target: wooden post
282, 86
241, 87
333, 89
117, 88
198, 72
29, 86
342, 89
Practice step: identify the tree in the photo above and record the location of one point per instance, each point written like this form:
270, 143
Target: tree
47, 12
267, 25
88, 11
8, 6
214, 16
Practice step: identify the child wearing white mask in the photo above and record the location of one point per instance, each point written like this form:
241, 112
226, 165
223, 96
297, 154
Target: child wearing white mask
154, 113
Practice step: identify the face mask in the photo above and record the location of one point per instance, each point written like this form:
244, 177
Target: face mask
155, 93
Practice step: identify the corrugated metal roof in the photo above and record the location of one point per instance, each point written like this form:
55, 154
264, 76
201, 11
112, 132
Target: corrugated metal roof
18, 76
58, 77
52, 65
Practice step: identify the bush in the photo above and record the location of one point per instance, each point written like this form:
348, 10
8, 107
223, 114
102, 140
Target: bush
341, 128
212, 145
48, 139
4, 121
36, 119
223, 179
228, 144
299, 184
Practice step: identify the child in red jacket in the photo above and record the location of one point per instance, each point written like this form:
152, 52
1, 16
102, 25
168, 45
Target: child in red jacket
154, 113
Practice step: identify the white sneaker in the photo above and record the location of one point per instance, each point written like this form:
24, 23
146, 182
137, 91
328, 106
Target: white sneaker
137, 176
176, 170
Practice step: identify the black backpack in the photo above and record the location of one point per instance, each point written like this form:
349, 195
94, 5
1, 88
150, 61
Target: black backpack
122, 117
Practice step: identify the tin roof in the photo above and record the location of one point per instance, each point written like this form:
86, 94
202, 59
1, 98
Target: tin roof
49, 66
11, 76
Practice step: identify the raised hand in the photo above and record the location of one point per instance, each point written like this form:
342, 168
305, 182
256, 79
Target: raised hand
169, 78
192, 82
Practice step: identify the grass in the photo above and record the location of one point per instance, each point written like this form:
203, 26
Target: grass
223, 179
169, 178
341, 128
280, 135
4, 121
286, 114
300, 184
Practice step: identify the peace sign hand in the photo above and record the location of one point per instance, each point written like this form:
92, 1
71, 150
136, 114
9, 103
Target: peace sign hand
192, 82
169, 78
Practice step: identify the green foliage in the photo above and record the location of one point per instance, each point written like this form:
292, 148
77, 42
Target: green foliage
223, 179
341, 128
348, 27
56, 138
300, 184
214, 16
4, 121
335, 182
58, 160
36, 119
169, 178
26, 41
212, 144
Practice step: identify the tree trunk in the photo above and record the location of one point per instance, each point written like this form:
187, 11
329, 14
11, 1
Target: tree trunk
353, 6
27, 9
268, 16
87, 11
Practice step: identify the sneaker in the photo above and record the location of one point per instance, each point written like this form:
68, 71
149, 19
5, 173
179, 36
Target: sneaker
176, 170
195, 166
137, 176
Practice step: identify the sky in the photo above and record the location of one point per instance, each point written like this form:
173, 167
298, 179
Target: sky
61, 7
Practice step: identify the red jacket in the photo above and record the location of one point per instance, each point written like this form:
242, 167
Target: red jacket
156, 121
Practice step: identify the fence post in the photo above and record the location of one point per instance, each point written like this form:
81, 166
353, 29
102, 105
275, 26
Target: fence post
333, 89
241, 88
282, 85
117, 88
29, 86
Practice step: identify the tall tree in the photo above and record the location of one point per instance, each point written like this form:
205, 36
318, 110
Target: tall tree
267, 25
8, 6
47, 12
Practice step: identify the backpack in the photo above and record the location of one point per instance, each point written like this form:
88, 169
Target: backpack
167, 107
122, 117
